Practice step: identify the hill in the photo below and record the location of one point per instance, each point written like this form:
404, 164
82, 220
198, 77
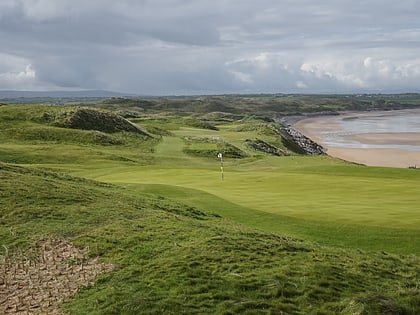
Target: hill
11, 94
266, 106
108, 220
172, 258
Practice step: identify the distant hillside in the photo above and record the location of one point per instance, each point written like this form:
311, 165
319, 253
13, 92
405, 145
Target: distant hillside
268, 106
58, 94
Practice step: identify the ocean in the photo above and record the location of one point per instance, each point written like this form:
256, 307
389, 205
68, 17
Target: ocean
390, 138
356, 130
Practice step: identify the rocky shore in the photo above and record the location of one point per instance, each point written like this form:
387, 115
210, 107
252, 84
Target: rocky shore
310, 147
386, 149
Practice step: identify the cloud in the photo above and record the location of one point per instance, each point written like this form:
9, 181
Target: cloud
15, 72
218, 46
26, 74
45, 10
368, 74
242, 77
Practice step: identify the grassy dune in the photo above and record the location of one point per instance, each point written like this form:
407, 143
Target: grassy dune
291, 234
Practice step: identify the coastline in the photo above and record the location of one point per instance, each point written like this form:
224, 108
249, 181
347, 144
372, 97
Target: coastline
367, 152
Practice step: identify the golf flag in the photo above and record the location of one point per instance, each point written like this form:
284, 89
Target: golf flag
220, 156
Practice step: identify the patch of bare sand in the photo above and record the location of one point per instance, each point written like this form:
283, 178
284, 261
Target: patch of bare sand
377, 157
39, 281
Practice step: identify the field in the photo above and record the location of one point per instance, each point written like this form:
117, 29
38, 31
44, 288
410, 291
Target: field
281, 233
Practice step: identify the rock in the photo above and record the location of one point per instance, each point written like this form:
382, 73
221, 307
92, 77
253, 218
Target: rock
262, 146
307, 145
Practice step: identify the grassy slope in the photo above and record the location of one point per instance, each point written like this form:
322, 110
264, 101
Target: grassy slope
175, 259
317, 198
181, 258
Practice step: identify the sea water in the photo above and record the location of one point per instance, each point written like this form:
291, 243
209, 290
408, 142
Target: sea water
392, 122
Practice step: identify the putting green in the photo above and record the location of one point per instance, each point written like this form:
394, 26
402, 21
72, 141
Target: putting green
366, 201
317, 198
288, 186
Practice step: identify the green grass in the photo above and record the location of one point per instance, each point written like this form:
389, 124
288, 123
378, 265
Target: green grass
345, 235
292, 234
171, 258
320, 199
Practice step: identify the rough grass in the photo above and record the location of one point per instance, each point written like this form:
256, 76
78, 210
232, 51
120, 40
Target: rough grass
267, 106
90, 119
320, 199
38, 135
210, 147
51, 123
328, 201
174, 259
292, 235
345, 235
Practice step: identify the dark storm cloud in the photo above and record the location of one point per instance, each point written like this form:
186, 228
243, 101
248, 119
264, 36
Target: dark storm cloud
218, 46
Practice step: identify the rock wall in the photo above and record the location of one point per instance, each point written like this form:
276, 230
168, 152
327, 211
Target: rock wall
310, 147
262, 146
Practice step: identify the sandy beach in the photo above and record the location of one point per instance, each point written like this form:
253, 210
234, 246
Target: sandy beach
373, 149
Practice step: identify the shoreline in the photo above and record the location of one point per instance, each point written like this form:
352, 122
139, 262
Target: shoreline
316, 129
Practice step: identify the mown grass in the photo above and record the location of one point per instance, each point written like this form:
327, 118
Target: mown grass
293, 235
330, 202
321, 199
174, 259
345, 235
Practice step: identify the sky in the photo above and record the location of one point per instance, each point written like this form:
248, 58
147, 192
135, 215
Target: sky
186, 47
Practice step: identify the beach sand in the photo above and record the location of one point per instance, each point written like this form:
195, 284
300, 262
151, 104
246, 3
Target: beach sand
314, 128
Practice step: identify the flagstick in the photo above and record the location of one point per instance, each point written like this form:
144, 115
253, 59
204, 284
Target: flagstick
221, 164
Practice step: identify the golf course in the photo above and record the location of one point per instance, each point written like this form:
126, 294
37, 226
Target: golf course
144, 195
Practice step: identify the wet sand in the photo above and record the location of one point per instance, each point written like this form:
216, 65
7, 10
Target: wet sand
320, 128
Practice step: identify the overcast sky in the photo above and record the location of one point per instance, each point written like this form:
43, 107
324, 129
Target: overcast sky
159, 47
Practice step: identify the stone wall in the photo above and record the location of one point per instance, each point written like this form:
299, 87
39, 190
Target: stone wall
307, 145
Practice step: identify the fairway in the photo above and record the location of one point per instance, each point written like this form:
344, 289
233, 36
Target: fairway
321, 198
158, 230
318, 197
